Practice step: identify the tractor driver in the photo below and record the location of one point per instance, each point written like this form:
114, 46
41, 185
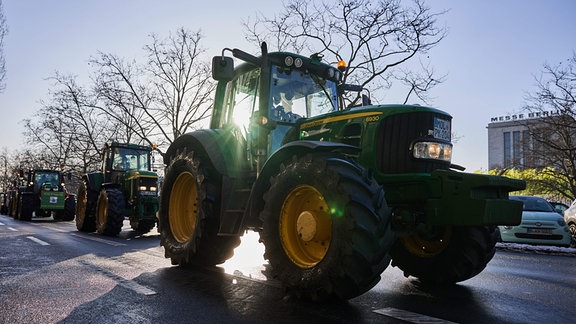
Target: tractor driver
282, 106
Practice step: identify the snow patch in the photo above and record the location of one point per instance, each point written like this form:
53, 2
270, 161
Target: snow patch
543, 249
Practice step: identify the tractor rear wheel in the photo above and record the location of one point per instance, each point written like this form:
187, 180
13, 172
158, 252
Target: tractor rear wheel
26, 206
69, 208
189, 217
85, 219
446, 254
110, 207
326, 227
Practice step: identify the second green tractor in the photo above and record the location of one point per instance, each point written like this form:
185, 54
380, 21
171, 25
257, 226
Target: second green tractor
126, 186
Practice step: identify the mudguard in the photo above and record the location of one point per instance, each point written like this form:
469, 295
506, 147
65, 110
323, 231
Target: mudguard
221, 148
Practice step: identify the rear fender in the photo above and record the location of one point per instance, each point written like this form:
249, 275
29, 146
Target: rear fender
94, 181
223, 155
221, 149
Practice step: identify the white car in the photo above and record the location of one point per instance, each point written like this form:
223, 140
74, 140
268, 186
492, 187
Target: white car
570, 219
540, 224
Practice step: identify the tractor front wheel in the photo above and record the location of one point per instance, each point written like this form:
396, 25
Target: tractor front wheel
110, 209
445, 254
326, 227
189, 218
142, 226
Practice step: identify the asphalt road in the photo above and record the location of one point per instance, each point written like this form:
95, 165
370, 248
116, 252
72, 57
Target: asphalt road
51, 273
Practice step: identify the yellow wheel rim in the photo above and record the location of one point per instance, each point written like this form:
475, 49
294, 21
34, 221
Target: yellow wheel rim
305, 226
427, 247
81, 204
103, 208
183, 209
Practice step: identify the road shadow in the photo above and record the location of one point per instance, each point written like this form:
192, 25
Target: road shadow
208, 295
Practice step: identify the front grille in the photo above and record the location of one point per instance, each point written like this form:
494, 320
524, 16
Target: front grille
148, 182
396, 134
554, 237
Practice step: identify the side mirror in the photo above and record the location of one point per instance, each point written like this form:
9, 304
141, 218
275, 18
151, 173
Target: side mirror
222, 68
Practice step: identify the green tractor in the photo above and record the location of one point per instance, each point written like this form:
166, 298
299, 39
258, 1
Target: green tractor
126, 187
43, 195
335, 192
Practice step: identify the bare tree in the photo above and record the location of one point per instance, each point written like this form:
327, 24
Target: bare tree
66, 132
161, 99
550, 145
3, 33
376, 38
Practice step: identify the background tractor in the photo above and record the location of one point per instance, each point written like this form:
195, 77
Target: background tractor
4, 201
125, 187
336, 192
41, 193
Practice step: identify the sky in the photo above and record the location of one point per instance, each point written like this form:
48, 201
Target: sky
492, 53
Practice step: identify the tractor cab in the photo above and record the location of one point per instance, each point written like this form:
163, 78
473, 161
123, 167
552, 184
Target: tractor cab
122, 159
265, 99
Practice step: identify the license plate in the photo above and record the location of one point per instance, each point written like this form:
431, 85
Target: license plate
442, 129
539, 231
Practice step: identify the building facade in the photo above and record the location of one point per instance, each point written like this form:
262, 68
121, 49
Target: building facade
511, 143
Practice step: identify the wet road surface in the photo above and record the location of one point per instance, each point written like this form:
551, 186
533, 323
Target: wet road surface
51, 273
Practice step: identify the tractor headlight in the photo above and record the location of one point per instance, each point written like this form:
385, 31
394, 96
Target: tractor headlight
432, 151
152, 188
142, 188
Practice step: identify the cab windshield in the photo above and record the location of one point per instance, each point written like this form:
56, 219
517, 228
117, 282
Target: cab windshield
296, 94
130, 159
51, 179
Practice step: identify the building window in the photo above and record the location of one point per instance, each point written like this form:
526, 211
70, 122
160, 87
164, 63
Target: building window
507, 150
528, 158
516, 149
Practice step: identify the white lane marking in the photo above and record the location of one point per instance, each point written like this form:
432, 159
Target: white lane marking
409, 316
39, 241
12, 229
97, 239
2, 224
129, 284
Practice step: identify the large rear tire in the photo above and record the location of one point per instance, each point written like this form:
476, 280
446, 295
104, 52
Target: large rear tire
446, 255
26, 206
110, 209
326, 227
69, 208
85, 209
189, 216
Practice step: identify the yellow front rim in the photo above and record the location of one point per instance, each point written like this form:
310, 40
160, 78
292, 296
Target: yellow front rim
427, 247
305, 226
183, 209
